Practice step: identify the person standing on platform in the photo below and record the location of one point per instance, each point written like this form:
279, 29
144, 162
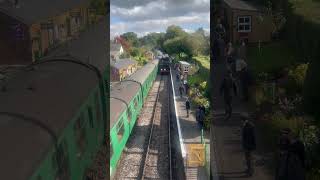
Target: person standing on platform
198, 115
203, 109
186, 87
296, 160
283, 155
246, 81
248, 141
201, 116
226, 88
187, 106
181, 91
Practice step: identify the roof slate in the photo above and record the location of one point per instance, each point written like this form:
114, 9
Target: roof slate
115, 47
123, 63
239, 4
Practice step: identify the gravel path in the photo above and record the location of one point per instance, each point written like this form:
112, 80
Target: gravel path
131, 162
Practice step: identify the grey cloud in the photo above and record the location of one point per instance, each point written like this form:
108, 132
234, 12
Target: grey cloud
146, 9
141, 27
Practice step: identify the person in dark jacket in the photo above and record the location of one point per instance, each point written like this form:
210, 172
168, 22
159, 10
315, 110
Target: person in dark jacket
283, 154
201, 116
198, 115
186, 86
226, 88
181, 91
245, 79
248, 141
203, 109
296, 160
187, 106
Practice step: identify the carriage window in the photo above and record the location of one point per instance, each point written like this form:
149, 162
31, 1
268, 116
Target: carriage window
136, 102
90, 116
120, 129
80, 136
129, 114
111, 150
98, 112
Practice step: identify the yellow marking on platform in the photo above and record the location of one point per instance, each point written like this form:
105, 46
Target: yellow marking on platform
195, 155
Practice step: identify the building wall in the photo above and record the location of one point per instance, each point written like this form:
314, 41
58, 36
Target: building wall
64, 27
149, 55
39, 39
15, 47
259, 30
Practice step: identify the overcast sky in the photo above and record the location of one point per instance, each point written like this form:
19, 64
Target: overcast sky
145, 16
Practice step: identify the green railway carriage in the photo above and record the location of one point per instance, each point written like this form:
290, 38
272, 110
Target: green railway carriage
53, 113
51, 126
126, 101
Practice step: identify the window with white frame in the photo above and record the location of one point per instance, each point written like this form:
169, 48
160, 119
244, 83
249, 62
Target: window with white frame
244, 23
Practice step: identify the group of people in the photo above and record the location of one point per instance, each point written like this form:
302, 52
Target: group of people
237, 69
291, 157
290, 164
183, 88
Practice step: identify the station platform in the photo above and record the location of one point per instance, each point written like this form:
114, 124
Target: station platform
192, 139
227, 155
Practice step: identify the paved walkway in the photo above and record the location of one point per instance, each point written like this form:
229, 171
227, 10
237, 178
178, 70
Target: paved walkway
227, 157
190, 131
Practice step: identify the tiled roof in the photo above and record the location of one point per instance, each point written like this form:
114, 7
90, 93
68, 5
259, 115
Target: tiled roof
31, 11
123, 63
239, 4
115, 47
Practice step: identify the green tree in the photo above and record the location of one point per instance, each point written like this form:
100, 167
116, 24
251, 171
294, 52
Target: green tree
174, 31
181, 45
201, 42
132, 38
135, 52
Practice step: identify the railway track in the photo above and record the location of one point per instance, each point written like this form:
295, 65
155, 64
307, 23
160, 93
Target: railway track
159, 147
147, 153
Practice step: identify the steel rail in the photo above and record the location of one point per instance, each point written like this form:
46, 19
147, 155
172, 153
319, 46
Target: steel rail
151, 131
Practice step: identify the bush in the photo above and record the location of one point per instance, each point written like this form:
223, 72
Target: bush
296, 77
310, 136
274, 122
203, 86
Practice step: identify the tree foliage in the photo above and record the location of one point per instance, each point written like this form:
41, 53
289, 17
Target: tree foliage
174, 31
178, 41
152, 40
132, 38
126, 46
175, 41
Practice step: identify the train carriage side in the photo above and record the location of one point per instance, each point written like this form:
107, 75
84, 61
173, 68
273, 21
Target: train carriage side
69, 100
75, 133
126, 100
